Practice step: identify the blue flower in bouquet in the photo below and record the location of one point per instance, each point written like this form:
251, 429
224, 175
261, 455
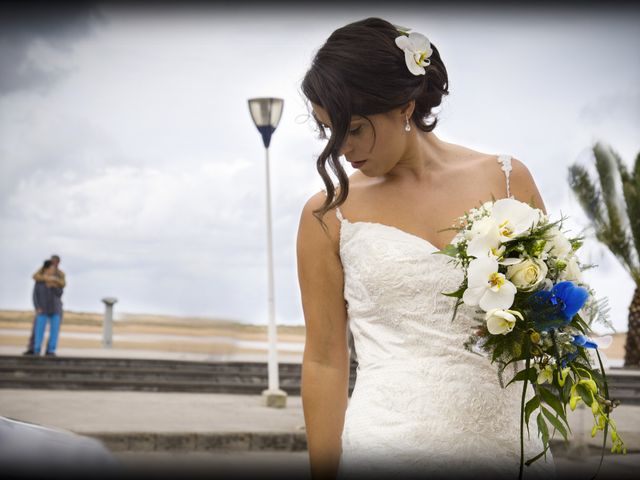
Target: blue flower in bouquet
582, 341
556, 307
579, 341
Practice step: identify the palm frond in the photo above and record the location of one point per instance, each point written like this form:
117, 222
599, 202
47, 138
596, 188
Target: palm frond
598, 312
631, 196
622, 168
587, 194
590, 199
616, 237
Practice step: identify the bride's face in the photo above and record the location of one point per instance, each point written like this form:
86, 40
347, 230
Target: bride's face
373, 154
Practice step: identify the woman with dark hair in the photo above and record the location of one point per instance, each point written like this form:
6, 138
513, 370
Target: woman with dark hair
46, 300
422, 403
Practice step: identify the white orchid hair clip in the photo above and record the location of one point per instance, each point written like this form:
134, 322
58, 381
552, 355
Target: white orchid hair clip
417, 50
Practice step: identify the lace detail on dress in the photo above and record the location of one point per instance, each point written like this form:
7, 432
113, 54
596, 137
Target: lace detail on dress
505, 161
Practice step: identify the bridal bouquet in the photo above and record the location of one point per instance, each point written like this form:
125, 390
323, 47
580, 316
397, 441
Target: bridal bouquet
523, 273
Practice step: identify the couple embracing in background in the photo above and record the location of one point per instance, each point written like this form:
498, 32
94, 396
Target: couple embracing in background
47, 300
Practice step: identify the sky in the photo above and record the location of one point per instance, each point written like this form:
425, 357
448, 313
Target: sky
126, 144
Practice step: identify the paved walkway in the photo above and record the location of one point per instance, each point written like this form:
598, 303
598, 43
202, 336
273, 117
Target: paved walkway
85, 412
283, 356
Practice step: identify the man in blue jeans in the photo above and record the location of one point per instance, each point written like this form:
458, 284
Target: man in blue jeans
46, 299
58, 280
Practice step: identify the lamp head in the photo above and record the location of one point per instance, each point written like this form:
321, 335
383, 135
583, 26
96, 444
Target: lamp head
266, 114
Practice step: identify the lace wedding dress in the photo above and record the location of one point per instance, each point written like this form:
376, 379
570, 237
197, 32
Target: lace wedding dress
422, 404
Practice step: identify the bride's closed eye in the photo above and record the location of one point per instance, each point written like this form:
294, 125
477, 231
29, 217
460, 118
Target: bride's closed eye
324, 132
355, 131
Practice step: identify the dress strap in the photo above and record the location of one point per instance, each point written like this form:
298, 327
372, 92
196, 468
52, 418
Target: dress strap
505, 160
338, 212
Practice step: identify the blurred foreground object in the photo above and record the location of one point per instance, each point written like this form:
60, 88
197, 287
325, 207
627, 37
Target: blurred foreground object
33, 451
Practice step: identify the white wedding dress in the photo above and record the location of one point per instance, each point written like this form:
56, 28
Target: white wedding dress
422, 404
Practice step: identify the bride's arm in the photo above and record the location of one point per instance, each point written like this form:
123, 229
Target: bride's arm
325, 362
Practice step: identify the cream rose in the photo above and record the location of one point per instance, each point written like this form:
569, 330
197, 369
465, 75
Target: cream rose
527, 274
501, 322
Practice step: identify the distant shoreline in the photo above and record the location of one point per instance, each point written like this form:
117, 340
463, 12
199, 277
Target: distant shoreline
155, 333
145, 319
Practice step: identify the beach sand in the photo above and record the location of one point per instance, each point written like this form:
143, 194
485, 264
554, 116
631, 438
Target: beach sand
156, 333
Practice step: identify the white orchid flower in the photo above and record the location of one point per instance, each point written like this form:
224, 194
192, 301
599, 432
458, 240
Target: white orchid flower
417, 50
497, 253
402, 29
510, 260
483, 234
483, 237
501, 322
514, 218
487, 287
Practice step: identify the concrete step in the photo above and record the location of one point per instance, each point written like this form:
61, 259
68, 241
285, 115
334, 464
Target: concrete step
182, 365
209, 441
220, 386
76, 373
115, 373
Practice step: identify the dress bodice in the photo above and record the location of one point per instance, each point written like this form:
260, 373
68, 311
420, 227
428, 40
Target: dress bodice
393, 284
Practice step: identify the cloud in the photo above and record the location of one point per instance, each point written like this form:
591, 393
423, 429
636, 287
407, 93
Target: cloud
28, 28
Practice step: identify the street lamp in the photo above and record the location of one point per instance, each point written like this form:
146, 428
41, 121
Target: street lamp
266, 113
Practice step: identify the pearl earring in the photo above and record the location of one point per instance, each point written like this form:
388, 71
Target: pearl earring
407, 127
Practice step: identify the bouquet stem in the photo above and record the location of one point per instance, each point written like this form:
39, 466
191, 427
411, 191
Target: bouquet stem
522, 402
606, 425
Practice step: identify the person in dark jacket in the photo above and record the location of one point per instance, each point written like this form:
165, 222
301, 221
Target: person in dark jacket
46, 300
57, 280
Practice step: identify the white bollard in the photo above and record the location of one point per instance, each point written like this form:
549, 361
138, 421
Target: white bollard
107, 326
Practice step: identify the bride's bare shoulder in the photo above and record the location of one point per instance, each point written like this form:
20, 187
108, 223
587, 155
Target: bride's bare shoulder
467, 158
473, 165
316, 224
463, 162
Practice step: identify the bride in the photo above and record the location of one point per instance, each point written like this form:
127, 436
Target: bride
422, 404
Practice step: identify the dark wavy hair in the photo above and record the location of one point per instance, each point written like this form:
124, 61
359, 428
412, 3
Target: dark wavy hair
361, 71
